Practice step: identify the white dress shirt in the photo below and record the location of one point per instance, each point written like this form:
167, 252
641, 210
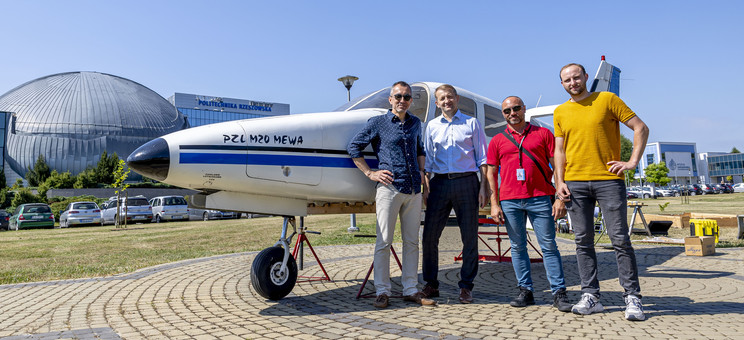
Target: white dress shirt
456, 146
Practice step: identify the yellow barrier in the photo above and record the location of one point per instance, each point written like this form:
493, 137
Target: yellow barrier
703, 227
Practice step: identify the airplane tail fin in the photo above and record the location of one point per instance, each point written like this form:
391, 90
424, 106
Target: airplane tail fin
607, 78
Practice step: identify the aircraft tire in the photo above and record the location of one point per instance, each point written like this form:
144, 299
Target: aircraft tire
263, 274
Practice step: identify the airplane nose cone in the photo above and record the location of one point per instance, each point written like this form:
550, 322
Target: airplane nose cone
151, 159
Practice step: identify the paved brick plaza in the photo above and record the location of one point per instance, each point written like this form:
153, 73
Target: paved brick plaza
211, 298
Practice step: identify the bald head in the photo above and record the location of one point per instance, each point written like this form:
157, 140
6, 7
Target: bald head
513, 109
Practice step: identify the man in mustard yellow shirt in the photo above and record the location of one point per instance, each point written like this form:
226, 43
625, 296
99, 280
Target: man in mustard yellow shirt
588, 170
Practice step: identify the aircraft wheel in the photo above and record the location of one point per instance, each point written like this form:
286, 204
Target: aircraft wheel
265, 276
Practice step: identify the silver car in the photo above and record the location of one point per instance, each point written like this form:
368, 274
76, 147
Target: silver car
80, 213
135, 209
208, 214
170, 208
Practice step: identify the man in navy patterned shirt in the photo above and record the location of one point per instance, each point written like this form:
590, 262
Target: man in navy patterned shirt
396, 140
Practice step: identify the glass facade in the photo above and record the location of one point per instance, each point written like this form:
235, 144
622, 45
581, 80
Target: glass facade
4, 117
722, 166
203, 110
198, 117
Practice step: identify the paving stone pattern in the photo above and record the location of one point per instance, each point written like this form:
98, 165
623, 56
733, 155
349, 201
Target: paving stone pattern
211, 298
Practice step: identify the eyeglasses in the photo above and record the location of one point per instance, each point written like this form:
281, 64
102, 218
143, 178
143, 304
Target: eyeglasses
405, 97
515, 109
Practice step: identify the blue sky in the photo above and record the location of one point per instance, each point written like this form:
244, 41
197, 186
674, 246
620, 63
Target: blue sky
681, 60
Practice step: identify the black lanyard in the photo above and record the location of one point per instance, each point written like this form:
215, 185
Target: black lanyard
519, 147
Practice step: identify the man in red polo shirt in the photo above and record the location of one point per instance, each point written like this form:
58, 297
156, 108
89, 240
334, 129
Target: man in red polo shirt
522, 156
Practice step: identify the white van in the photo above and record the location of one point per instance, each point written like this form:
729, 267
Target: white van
169, 208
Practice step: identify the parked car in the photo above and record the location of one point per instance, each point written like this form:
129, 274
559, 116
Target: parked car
631, 194
135, 209
694, 189
668, 191
708, 189
31, 215
4, 218
635, 191
170, 208
724, 188
649, 192
208, 214
739, 187
79, 214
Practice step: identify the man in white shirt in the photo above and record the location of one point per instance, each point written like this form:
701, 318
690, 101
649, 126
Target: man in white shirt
455, 147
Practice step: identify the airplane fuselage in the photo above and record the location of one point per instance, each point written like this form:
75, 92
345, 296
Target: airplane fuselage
280, 165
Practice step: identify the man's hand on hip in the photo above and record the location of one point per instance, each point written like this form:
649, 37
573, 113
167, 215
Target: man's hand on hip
617, 167
382, 176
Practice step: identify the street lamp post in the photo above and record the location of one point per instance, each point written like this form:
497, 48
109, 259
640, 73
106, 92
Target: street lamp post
348, 81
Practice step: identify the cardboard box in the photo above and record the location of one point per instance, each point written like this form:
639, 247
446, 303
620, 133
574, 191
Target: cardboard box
700, 246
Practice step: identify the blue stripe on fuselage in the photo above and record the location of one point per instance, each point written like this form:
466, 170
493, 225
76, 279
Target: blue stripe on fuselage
226, 158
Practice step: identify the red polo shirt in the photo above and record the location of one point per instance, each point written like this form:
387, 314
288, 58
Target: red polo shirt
504, 154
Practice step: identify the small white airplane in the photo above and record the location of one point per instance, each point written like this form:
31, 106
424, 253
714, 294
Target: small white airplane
298, 165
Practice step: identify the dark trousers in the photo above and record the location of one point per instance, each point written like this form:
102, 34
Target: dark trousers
460, 194
613, 203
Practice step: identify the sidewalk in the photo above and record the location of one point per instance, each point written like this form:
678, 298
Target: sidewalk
211, 298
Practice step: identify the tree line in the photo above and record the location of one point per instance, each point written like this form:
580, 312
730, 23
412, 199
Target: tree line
44, 179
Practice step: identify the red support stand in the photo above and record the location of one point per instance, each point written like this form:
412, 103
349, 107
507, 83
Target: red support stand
369, 272
297, 253
498, 256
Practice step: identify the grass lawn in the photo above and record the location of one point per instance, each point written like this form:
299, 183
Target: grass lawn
51, 254
726, 204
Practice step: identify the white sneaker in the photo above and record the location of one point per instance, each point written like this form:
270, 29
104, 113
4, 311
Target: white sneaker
634, 308
587, 305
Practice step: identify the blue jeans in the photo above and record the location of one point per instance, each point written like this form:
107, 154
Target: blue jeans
539, 210
614, 205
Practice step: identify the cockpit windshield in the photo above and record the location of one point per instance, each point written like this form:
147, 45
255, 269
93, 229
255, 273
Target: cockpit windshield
379, 100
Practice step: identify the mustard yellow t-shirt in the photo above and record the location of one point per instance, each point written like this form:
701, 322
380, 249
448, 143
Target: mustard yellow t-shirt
591, 135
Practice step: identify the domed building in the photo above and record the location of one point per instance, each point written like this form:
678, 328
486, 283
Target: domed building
71, 118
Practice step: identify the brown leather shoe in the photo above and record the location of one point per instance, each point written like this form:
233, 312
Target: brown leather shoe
430, 292
466, 296
381, 301
419, 298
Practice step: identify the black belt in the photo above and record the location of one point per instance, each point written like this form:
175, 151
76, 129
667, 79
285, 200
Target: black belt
453, 175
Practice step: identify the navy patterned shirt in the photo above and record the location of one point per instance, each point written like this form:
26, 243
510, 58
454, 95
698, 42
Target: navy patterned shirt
397, 146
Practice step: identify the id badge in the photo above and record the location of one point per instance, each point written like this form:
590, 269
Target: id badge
520, 174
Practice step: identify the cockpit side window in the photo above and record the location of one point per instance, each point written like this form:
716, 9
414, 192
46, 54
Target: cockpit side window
495, 122
379, 100
546, 122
